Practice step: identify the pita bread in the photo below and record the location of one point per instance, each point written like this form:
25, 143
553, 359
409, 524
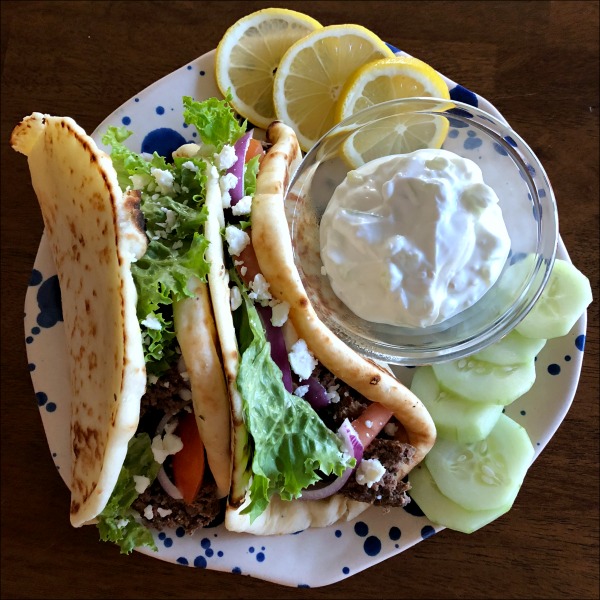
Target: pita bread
94, 237
197, 337
218, 282
273, 248
283, 517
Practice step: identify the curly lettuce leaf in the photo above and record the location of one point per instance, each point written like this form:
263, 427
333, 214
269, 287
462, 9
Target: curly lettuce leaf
116, 523
214, 120
174, 215
292, 447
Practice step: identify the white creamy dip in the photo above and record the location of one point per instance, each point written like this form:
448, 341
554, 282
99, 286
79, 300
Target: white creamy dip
413, 239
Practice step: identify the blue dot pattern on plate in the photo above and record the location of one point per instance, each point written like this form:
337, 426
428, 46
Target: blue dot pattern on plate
580, 342
48, 300
427, 531
372, 544
126, 121
462, 94
164, 141
554, 369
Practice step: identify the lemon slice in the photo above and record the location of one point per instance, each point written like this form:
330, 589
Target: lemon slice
248, 56
395, 134
313, 72
389, 79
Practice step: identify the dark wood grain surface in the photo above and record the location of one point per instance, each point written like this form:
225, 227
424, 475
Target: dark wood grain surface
536, 61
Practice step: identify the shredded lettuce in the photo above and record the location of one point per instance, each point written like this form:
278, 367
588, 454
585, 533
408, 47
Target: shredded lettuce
292, 447
250, 172
116, 522
174, 214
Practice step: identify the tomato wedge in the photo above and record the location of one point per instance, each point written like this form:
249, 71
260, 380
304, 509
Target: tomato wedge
254, 149
373, 419
188, 463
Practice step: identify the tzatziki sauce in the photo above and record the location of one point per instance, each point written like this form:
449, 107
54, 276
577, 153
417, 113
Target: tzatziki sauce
413, 239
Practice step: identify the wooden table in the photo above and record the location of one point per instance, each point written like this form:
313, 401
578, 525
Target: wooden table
536, 61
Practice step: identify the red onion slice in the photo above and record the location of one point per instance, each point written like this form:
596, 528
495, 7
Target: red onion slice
278, 347
240, 147
354, 447
167, 485
316, 395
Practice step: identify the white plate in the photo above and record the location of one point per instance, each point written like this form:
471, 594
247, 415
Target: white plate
314, 557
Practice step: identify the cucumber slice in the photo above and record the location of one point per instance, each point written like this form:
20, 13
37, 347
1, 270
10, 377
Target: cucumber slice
455, 418
481, 381
512, 349
441, 510
564, 299
484, 475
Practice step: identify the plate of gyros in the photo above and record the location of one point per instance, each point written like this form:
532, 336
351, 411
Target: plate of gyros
110, 358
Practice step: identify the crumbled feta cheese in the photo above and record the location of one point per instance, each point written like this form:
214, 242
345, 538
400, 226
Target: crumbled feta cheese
243, 270
165, 384
368, 424
178, 244
121, 523
332, 393
301, 391
190, 166
185, 375
391, 429
141, 483
171, 218
279, 314
152, 379
301, 360
227, 182
235, 297
164, 180
226, 200
163, 447
185, 394
369, 472
260, 289
226, 158
243, 206
164, 512
151, 322
236, 239
148, 512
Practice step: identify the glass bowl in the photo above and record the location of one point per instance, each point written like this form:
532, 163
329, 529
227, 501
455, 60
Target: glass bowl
508, 165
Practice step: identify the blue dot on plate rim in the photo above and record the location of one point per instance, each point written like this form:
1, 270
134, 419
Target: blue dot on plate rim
554, 369
372, 546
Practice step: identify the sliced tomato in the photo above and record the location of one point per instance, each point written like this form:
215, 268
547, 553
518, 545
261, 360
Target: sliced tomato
188, 463
248, 257
255, 148
373, 419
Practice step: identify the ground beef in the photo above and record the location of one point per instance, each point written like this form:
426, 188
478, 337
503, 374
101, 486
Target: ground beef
390, 490
351, 404
165, 394
171, 394
203, 512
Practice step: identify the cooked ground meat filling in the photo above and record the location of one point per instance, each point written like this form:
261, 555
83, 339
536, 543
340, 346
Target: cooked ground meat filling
205, 509
391, 453
171, 394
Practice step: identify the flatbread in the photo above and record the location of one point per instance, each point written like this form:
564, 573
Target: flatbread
218, 283
197, 337
94, 237
273, 248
